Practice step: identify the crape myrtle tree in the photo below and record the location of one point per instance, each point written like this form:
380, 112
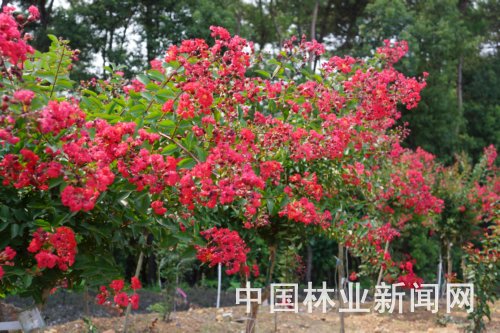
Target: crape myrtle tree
468, 228
206, 149
470, 194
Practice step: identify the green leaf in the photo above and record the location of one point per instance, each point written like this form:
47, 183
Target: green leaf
143, 79
187, 163
156, 75
27, 280
53, 39
263, 73
270, 206
14, 230
170, 149
43, 224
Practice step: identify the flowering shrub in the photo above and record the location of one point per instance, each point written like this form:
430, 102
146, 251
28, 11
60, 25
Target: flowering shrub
266, 149
483, 265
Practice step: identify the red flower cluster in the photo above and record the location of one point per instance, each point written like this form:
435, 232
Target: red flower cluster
24, 96
6, 257
410, 186
490, 154
12, 44
58, 248
34, 14
393, 51
408, 277
304, 211
340, 64
60, 115
120, 298
271, 169
26, 170
224, 247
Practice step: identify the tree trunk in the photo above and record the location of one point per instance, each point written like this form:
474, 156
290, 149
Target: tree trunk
440, 272
341, 285
86, 298
44, 296
309, 262
449, 269
380, 274
323, 25
462, 7
275, 22
219, 282
459, 90
312, 59
251, 321
464, 269
238, 17
314, 19
137, 272
149, 32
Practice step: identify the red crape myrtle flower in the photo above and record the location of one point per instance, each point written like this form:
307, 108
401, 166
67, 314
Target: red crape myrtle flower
135, 283
24, 96
224, 247
117, 285
12, 44
6, 257
408, 277
119, 299
53, 249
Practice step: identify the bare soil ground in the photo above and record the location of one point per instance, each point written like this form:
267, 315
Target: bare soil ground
232, 319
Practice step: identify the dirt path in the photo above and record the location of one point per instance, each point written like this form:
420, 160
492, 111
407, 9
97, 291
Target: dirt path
231, 319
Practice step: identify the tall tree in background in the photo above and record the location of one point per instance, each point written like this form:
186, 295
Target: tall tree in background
442, 42
481, 75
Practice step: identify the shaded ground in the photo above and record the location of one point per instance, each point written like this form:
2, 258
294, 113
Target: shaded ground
231, 319
67, 306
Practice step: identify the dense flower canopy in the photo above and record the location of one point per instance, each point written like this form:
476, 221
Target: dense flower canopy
279, 148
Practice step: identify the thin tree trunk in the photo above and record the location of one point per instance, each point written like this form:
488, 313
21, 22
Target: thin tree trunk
440, 272
219, 282
129, 307
312, 59
449, 269
464, 269
380, 274
341, 285
462, 7
44, 296
276, 26
238, 17
347, 263
309, 262
251, 321
324, 20
314, 19
460, 90
149, 33
86, 298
